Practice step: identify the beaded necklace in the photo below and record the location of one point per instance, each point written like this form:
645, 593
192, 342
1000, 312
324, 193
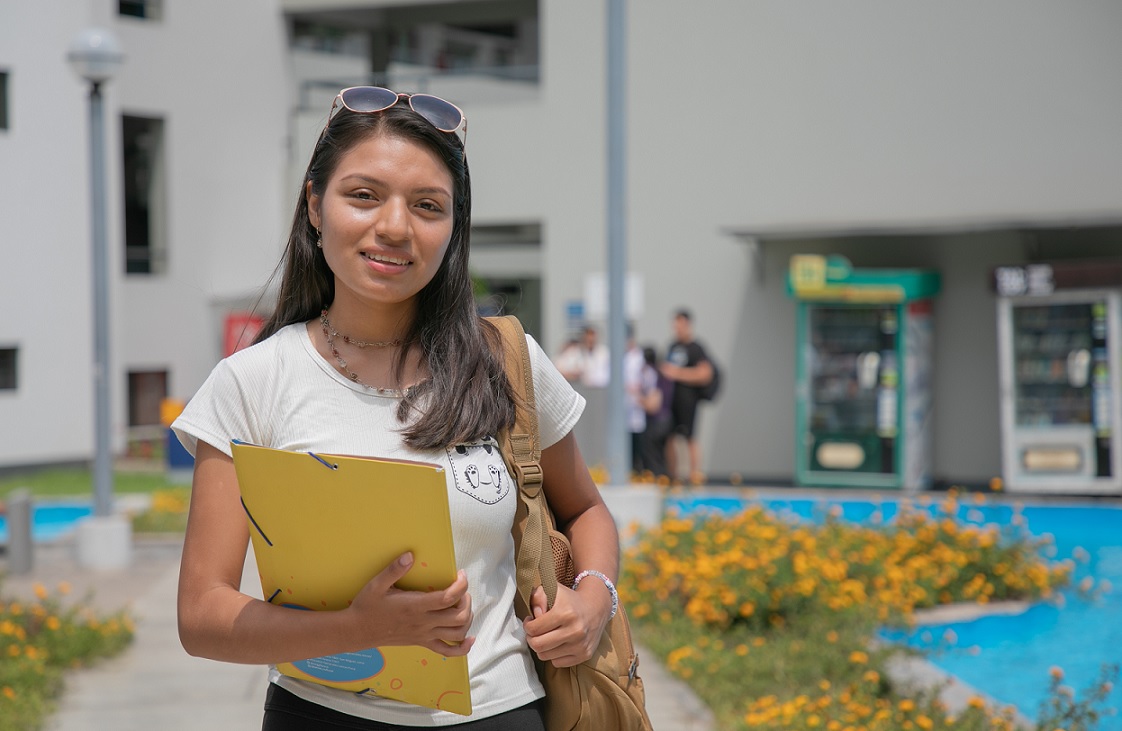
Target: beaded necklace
330, 333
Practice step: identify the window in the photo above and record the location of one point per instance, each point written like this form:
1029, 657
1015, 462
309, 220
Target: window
144, 195
3, 100
8, 361
145, 9
147, 390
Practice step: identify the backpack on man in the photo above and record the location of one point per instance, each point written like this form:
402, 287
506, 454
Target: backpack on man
710, 390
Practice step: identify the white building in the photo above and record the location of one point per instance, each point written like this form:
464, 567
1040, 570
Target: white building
953, 136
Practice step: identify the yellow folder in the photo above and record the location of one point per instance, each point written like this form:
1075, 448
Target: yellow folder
322, 526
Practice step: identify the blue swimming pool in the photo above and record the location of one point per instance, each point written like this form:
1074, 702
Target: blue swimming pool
50, 521
1009, 657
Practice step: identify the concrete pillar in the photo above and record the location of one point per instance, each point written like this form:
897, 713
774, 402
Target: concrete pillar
20, 544
105, 542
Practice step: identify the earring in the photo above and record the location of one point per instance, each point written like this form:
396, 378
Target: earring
319, 239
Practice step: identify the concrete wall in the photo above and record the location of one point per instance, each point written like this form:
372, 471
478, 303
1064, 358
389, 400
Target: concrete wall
763, 116
216, 74
45, 278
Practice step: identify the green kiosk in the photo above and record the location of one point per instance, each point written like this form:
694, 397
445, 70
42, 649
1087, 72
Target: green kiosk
863, 374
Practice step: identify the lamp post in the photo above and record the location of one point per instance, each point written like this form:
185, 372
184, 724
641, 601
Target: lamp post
95, 55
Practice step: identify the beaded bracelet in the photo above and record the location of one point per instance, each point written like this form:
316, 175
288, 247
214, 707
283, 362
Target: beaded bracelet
607, 582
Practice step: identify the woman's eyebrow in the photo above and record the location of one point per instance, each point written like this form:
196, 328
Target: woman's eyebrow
423, 190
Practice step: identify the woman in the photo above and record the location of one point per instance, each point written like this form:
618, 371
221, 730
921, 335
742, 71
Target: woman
659, 390
375, 349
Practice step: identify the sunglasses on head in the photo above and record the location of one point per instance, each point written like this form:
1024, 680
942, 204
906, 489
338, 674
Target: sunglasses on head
443, 115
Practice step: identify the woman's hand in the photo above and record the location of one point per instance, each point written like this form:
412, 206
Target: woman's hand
569, 633
438, 620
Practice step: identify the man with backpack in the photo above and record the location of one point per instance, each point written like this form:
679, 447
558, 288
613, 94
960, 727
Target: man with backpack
693, 374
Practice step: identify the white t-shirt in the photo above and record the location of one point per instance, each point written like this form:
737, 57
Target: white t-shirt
281, 393
633, 365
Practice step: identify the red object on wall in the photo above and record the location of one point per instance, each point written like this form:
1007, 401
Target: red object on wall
240, 330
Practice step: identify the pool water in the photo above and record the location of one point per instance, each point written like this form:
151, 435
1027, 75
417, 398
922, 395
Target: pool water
50, 521
1009, 657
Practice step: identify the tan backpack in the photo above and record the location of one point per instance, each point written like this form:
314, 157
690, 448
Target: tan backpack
605, 693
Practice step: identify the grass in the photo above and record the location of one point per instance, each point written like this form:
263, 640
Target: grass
169, 500
78, 482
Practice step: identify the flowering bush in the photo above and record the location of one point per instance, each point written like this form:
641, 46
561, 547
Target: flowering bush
167, 513
772, 620
759, 569
40, 639
1062, 710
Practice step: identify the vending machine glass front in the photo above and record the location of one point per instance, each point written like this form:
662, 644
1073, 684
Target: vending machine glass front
1062, 381
853, 388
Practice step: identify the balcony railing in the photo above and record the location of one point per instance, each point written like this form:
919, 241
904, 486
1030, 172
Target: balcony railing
493, 83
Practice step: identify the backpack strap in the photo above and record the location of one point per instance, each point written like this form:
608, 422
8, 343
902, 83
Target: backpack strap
521, 448
524, 442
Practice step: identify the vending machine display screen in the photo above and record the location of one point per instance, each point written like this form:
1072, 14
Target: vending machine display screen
1061, 375
854, 377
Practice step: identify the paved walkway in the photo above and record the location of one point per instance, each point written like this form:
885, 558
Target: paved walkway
154, 684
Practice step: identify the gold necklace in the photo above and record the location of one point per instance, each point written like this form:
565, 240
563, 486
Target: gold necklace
351, 341
330, 333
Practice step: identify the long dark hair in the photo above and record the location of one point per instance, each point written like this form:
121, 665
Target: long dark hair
467, 394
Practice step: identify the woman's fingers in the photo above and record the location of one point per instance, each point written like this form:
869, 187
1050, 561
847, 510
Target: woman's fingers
391, 616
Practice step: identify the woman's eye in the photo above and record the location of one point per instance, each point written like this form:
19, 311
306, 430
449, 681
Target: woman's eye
430, 206
364, 195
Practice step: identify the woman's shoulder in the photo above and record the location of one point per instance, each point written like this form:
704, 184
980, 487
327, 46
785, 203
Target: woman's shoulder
267, 353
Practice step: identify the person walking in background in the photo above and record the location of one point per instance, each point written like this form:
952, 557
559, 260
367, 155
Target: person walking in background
658, 390
588, 362
633, 386
690, 369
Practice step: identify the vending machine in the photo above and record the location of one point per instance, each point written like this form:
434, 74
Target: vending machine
1059, 334
863, 374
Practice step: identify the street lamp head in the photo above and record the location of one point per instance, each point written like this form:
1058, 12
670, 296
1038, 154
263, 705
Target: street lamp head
95, 55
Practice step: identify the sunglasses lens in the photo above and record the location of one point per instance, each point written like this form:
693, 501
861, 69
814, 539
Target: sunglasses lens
444, 116
368, 98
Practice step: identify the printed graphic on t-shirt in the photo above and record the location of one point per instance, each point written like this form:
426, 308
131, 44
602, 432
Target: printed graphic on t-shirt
479, 470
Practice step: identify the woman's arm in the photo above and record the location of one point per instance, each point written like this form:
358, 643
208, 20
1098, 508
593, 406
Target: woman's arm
569, 633
218, 621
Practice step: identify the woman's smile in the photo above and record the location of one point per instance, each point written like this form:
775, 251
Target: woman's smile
387, 263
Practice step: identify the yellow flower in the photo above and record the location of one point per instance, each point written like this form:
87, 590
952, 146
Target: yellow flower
976, 701
1056, 672
8, 693
40, 591
831, 637
53, 623
858, 658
